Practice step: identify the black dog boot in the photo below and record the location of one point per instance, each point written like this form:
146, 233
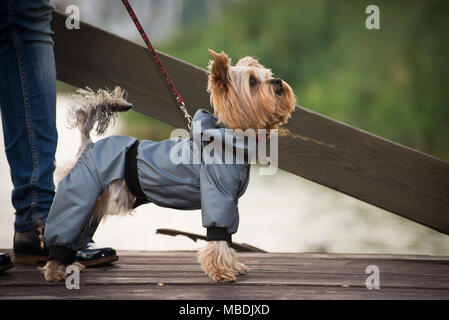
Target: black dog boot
5, 262
29, 247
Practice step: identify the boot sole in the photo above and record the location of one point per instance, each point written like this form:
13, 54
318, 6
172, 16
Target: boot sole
28, 259
99, 262
8, 266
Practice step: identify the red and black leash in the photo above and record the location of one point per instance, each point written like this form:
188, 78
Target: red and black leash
158, 61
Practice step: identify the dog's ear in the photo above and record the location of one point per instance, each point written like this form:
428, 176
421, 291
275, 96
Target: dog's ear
219, 69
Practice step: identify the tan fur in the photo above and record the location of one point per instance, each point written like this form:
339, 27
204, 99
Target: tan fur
239, 103
54, 271
220, 262
89, 108
115, 200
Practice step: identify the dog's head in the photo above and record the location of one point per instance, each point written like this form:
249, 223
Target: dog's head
247, 96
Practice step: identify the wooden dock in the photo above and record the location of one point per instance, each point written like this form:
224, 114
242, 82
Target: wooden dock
272, 276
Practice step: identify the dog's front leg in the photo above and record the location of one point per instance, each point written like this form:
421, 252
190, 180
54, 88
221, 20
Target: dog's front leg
220, 262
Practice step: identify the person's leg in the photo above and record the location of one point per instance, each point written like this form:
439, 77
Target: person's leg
28, 107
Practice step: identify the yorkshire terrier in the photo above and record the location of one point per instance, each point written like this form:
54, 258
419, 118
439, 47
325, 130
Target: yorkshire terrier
115, 174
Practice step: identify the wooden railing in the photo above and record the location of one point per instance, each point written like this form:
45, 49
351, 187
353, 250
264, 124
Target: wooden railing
380, 172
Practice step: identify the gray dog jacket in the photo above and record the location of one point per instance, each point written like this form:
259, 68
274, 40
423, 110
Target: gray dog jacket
175, 173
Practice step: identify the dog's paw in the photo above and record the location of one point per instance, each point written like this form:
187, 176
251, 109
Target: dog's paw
80, 266
54, 271
220, 262
221, 275
240, 268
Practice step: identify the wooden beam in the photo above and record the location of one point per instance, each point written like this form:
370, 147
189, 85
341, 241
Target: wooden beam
369, 168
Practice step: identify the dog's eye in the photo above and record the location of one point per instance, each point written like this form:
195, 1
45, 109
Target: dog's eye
252, 81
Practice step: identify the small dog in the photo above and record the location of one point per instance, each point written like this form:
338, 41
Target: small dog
115, 174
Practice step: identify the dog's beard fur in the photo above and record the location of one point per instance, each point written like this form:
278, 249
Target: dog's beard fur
244, 97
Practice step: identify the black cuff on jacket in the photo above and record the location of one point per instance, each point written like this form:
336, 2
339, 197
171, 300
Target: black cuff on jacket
218, 234
62, 254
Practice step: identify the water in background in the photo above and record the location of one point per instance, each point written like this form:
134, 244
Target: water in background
280, 213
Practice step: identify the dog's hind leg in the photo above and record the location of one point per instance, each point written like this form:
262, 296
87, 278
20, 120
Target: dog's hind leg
73, 217
73, 204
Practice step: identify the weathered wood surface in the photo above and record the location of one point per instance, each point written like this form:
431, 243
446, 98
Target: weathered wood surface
344, 158
177, 275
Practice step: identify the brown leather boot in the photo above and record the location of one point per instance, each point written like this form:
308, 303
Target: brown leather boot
29, 247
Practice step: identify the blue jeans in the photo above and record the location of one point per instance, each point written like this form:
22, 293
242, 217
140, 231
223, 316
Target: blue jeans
28, 106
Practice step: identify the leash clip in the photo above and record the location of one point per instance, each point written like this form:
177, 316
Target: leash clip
183, 108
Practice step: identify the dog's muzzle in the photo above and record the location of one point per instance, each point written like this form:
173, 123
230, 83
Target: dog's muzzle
277, 86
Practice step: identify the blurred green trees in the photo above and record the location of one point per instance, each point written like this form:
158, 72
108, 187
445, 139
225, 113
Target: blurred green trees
392, 82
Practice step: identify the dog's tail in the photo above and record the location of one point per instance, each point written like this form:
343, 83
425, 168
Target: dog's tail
87, 109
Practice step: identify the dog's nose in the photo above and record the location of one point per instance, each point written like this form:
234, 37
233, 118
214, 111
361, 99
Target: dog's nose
121, 107
278, 87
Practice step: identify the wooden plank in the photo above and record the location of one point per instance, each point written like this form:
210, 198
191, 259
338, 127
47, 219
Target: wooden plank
272, 276
278, 278
127, 254
331, 275
325, 280
331, 153
222, 292
369, 168
256, 277
272, 262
